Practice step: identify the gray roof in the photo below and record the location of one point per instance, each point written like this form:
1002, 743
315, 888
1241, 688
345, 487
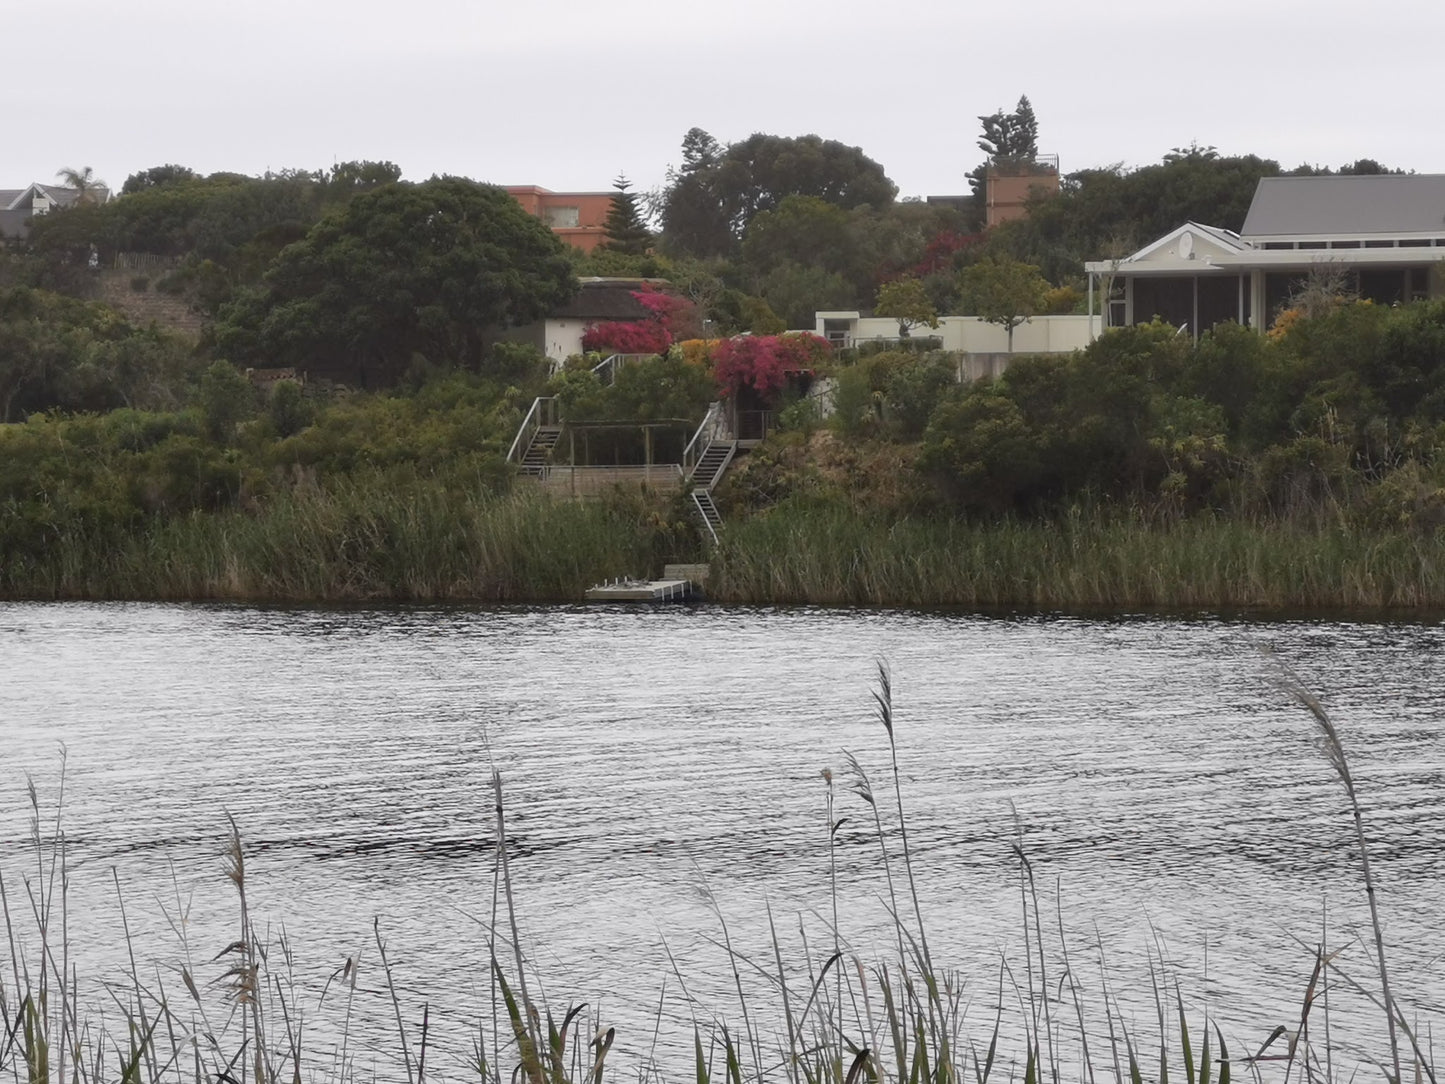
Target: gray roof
604, 300
1391, 204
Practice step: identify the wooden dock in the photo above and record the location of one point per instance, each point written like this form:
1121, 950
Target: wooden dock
642, 591
679, 583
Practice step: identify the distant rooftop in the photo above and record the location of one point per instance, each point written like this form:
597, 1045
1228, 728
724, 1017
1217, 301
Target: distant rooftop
1345, 206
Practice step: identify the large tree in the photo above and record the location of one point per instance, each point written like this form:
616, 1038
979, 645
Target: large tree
694, 218
403, 272
708, 206
157, 177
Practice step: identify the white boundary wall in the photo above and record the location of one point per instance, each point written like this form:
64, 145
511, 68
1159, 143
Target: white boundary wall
971, 335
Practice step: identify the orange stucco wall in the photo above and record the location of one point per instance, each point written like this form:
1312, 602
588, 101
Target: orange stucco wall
1008, 194
591, 207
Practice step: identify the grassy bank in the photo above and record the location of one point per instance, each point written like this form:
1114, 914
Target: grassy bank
830, 555
356, 541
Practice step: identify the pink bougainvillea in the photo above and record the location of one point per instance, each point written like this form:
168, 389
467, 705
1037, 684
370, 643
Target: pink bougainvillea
621, 337
666, 309
667, 316
763, 362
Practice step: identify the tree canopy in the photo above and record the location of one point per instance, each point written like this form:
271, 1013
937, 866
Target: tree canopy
1008, 139
401, 273
1004, 292
907, 301
709, 204
58, 353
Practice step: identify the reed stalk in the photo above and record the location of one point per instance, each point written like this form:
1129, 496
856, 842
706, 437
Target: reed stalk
1334, 751
888, 1021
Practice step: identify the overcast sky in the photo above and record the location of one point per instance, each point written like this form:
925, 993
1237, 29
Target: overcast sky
567, 94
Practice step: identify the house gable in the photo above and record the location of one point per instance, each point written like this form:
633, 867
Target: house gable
1185, 249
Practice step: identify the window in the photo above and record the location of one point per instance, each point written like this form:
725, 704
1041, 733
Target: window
560, 217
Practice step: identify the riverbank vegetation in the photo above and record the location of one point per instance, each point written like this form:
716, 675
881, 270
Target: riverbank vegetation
335, 424
1300, 470
249, 1015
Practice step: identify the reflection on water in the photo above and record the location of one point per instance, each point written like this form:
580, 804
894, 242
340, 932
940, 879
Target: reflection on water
1169, 796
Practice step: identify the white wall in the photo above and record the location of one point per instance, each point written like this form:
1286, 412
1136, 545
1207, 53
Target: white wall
558, 339
971, 335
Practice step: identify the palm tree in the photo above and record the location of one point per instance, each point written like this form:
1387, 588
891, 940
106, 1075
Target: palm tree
83, 180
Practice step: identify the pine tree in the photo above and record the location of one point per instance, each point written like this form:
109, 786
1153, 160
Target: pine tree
626, 232
1024, 145
1010, 139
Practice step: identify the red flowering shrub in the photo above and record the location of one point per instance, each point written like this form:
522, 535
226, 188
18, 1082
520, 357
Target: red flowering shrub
667, 316
763, 362
622, 337
666, 309
938, 256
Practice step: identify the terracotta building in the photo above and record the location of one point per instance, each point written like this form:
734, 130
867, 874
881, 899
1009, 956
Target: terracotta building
579, 218
1010, 185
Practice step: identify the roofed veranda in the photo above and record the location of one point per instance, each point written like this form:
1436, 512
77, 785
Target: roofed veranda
1381, 237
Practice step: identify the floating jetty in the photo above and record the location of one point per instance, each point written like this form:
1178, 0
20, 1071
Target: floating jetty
680, 583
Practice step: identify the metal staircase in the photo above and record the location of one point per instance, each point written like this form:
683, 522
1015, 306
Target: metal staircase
705, 460
713, 463
537, 436
538, 455
702, 503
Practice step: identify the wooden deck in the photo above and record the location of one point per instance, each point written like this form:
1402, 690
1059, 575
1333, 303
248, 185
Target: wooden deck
567, 481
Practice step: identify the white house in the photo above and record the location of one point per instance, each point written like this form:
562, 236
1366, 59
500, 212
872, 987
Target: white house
600, 300
1385, 234
19, 205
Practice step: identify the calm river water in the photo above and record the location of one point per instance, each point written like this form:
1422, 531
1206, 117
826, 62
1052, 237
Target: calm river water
1170, 795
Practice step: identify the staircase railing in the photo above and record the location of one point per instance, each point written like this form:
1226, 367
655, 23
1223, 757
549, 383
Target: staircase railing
543, 412
713, 427
606, 369
721, 468
702, 514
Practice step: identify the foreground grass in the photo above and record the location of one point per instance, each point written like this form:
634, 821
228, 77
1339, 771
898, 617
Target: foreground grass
834, 1017
827, 555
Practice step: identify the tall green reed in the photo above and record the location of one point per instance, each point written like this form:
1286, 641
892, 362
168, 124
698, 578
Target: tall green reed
828, 554
360, 540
